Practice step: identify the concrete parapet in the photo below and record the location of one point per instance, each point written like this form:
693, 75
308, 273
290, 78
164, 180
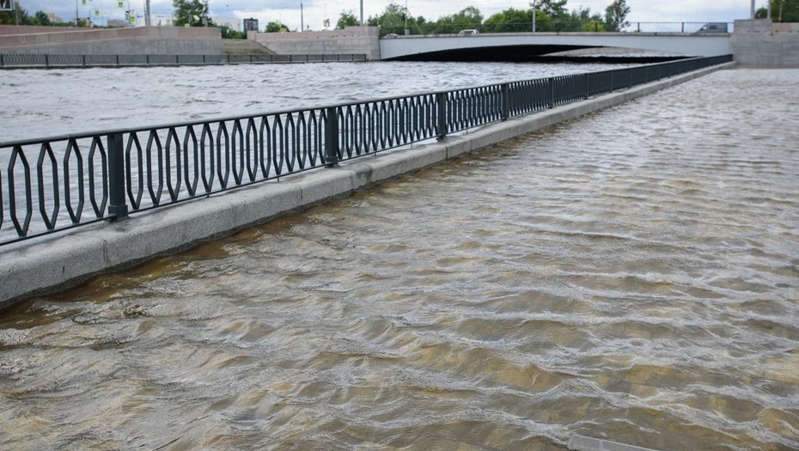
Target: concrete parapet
759, 43
351, 40
786, 27
58, 261
118, 41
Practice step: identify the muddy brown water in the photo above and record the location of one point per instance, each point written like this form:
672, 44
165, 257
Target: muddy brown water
632, 275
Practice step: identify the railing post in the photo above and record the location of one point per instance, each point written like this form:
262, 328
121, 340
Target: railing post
116, 178
683, 27
177, 59
551, 92
228, 58
331, 137
203, 59
250, 59
46, 60
2, 62
505, 101
83, 60
117, 60
441, 101
639, 27
587, 85
147, 59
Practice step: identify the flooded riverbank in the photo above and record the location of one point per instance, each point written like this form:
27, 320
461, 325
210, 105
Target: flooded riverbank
633, 275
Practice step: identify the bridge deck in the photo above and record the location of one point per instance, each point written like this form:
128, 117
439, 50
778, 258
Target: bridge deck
489, 45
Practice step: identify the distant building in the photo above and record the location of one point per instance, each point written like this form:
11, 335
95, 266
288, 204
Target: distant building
161, 20
54, 19
250, 24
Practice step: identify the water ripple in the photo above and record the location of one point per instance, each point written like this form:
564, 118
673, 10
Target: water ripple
631, 275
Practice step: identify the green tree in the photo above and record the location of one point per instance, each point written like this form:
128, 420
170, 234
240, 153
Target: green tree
616, 15
781, 11
516, 20
191, 12
7, 17
392, 20
276, 27
580, 19
467, 18
229, 33
552, 8
347, 19
40, 18
594, 25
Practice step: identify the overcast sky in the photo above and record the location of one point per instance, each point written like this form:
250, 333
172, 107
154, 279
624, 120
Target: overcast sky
287, 11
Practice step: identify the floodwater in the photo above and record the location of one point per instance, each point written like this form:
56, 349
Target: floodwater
632, 275
42, 103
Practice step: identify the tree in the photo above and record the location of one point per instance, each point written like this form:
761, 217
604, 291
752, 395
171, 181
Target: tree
594, 25
276, 27
191, 12
552, 8
7, 17
467, 18
515, 20
616, 15
392, 20
781, 11
40, 18
229, 33
347, 19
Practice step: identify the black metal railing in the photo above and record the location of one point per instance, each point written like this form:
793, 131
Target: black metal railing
57, 183
13, 60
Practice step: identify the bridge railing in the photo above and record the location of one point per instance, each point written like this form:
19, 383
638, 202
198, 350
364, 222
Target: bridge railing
58, 183
559, 26
12, 60
680, 27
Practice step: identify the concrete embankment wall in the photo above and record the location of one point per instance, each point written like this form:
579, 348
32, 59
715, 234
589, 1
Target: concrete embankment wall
761, 43
351, 40
118, 41
59, 261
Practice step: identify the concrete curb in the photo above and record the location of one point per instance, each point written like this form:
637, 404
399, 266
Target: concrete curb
62, 260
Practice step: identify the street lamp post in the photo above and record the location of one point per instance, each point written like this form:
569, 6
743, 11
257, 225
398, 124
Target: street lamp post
302, 18
361, 12
147, 20
532, 6
407, 31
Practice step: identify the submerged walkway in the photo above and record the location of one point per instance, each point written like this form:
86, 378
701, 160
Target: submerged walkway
631, 275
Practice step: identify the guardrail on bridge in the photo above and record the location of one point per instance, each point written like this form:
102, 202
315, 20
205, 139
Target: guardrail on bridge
58, 183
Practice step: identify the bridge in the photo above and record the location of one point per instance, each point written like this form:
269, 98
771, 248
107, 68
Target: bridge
519, 46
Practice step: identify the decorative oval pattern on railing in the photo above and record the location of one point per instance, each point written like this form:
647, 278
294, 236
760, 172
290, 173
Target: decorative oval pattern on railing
196, 159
